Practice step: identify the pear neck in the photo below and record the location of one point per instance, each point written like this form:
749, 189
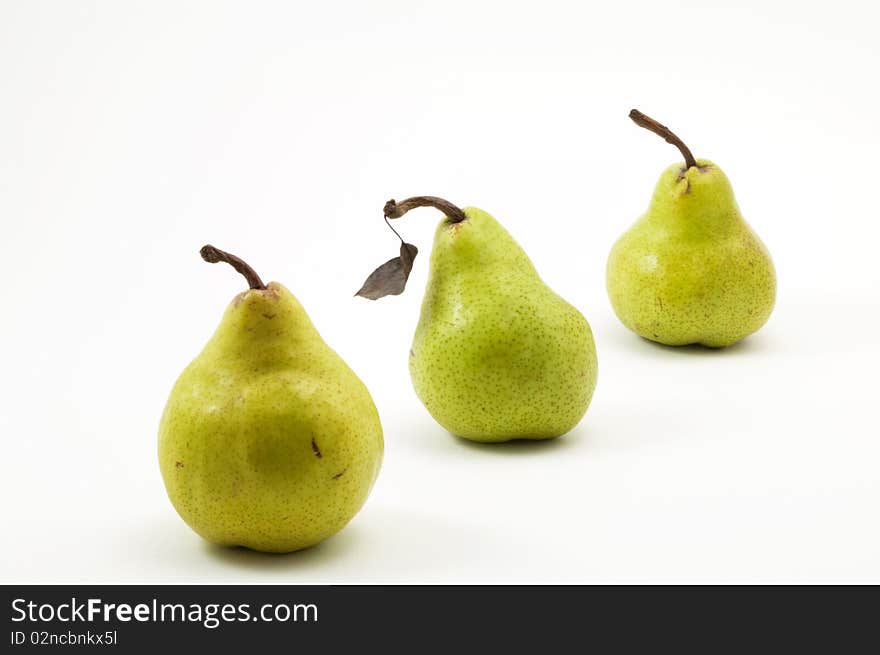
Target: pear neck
264, 324
484, 245
696, 200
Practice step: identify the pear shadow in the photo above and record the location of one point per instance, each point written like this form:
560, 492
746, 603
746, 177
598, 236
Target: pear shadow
425, 435
747, 345
385, 545
241, 557
750, 345
524, 447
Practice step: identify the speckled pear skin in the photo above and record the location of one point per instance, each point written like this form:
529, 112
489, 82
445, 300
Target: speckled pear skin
691, 270
497, 355
268, 440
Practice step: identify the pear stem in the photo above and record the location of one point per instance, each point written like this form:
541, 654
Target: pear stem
662, 131
213, 255
394, 209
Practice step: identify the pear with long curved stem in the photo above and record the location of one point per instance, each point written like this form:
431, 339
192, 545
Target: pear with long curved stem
497, 355
690, 270
268, 439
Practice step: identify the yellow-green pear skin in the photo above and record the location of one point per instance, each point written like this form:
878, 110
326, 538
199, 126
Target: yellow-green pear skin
268, 440
691, 270
497, 355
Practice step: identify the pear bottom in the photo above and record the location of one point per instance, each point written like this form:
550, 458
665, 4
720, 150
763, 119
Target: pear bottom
678, 294
537, 385
284, 484
274, 480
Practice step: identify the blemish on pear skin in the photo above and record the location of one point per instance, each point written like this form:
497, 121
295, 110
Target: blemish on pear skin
340, 474
315, 449
178, 465
270, 316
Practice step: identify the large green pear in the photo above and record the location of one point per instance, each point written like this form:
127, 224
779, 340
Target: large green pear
497, 355
691, 270
268, 440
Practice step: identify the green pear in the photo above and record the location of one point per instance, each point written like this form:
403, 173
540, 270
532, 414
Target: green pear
691, 270
268, 440
497, 355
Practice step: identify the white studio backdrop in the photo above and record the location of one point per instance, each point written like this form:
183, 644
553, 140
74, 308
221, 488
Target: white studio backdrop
133, 133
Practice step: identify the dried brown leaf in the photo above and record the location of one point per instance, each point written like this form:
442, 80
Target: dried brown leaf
390, 278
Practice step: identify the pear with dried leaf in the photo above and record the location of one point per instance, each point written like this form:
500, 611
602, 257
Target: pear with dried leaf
497, 355
268, 440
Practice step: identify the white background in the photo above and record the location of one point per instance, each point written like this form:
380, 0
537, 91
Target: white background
132, 133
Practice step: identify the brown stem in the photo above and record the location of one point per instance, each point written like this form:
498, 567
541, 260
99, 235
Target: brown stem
661, 130
394, 209
214, 255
